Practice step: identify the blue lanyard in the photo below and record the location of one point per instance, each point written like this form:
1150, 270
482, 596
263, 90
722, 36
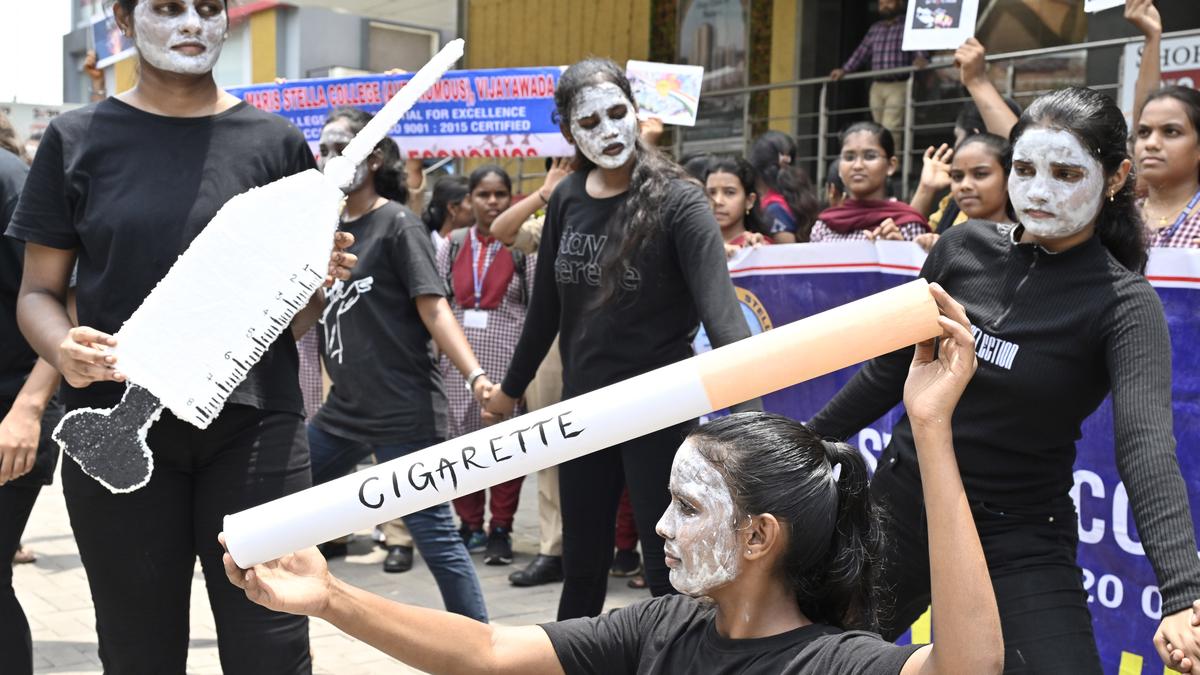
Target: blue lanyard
476, 263
1182, 216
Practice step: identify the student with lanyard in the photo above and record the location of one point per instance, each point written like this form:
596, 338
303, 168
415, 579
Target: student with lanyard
631, 261
1166, 149
1062, 317
774, 540
121, 187
28, 413
489, 293
387, 397
866, 161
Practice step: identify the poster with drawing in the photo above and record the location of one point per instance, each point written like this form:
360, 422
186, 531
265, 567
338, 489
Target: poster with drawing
939, 24
1092, 6
667, 91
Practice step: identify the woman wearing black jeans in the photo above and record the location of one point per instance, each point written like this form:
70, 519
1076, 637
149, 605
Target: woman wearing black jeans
1062, 317
122, 187
631, 261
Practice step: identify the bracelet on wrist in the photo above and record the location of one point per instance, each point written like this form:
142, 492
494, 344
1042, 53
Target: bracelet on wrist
472, 377
543, 197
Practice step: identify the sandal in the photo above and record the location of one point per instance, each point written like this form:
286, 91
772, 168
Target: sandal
637, 581
24, 556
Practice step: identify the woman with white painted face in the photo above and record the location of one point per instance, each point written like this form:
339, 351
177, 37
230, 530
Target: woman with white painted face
772, 537
1062, 317
121, 187
631, 260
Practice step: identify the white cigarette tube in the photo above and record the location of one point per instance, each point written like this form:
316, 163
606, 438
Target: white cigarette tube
773, 360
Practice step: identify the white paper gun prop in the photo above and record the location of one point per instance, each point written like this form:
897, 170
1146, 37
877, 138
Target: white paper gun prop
767, 362
198, 333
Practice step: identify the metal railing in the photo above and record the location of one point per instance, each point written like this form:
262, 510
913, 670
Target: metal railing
819, 160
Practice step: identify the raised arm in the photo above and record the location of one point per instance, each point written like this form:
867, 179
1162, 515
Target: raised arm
508, 223
1144, 15
429, 640
972, 63
966, 621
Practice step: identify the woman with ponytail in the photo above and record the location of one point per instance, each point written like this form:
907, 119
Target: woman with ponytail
631, 261
772, 537
377, 330
448, 209
1063, 317
787, 204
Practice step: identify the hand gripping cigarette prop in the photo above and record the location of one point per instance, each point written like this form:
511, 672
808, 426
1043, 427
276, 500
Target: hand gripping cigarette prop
202, 328
767, 362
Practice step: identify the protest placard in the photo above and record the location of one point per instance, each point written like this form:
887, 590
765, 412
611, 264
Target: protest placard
939, 24
507, 112
667, 91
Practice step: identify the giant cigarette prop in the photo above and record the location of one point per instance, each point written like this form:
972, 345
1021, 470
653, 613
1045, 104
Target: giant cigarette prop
773, 360
227, 298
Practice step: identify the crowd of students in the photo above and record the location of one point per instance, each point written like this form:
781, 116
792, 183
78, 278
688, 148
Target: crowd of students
432, 326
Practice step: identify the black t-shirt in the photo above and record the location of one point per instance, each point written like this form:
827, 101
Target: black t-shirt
16, 356
678, 280
1055, 333
386, 384
678, 634
129, 190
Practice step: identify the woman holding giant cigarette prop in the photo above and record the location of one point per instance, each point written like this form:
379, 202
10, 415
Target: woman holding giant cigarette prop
124, 186
1062, 317
772, 534
631, 261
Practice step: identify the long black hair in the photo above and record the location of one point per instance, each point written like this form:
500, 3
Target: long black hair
1187, 97
746, 175
1100, 126
789, 180
639, 219
389, 177
447, 190
776, 465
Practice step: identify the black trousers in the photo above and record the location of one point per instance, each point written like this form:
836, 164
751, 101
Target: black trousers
1031, 558
590, 490
139, 549
16, 503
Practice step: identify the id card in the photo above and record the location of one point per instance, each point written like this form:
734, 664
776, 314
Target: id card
475, 318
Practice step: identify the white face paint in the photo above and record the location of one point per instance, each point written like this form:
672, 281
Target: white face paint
701, 542
1056, 185
604, 125
334, 138
180, 36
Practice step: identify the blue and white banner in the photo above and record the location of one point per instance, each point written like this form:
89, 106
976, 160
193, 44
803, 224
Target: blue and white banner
499, 113
779, 284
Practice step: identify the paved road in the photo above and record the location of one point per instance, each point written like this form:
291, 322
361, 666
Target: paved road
54, 593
